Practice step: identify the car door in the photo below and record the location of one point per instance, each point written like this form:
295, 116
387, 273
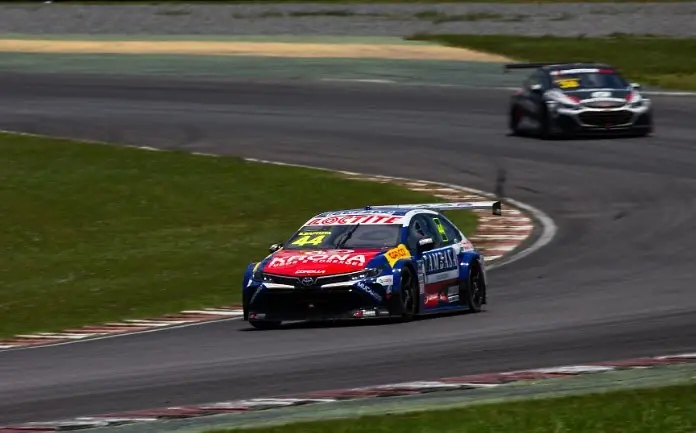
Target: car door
441, 267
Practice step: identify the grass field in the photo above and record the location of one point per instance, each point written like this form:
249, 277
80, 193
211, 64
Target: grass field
94, 233
663, 62
665, 410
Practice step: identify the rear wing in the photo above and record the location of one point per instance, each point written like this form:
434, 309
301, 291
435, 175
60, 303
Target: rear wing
533, 65
494, 206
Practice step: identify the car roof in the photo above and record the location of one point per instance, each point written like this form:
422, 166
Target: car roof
383, 215
396, 211
580, 65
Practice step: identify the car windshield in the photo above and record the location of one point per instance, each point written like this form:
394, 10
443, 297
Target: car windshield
588, 80
328, 236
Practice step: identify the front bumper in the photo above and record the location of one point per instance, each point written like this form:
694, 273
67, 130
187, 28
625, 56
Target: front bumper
349, 300
601, 120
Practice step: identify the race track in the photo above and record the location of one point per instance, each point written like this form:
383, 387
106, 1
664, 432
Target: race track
617, 281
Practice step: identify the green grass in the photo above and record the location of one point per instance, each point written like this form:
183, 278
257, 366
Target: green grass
662, 62
95, 233
664, 410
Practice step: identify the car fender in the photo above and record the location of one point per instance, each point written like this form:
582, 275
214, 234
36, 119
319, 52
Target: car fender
393, 294
248, 272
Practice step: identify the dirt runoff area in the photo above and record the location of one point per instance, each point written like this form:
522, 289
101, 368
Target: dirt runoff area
263, 49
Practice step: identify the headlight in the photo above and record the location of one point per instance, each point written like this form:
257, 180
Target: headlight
368, 273
554, 105
259, 277
638, 103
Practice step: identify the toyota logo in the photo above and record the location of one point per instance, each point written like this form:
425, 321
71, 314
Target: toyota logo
307, 281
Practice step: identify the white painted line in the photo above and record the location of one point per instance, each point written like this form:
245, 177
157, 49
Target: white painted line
214, 313
571, 369
123, 325
121, 335
222, 310
69, 335
510, 219
157, 323
7, 346
359, 80
499, 237
417, 385
36, 336
504, 248
492, 227
111, 420
480, 385
683, 355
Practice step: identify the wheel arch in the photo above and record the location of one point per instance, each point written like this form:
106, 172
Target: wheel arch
470, 260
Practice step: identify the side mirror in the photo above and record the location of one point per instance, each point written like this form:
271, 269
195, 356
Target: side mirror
635, 86
275, 247
425, 244
535, 88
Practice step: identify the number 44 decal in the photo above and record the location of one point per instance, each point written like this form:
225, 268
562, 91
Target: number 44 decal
308, 240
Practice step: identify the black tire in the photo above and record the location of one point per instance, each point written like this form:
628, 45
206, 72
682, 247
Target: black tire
408, 295
514, 120
265, 324
473, 292
544, 126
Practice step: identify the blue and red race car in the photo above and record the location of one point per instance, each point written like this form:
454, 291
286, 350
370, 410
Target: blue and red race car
396, 261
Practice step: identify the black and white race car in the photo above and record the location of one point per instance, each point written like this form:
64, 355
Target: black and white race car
563, 99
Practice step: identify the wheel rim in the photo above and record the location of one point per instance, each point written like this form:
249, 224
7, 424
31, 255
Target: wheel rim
476, 289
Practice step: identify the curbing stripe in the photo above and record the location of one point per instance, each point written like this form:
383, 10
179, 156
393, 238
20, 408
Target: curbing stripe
497, 237
391, 390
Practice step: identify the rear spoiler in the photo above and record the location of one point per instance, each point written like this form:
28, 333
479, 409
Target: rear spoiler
533, 65
494, 206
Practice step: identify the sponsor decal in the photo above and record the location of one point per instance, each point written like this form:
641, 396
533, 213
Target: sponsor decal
568, 83
386, 280
453, 294
367, 289
438, 261
314, 238
396, 254
421, 276
355, 219
346, 257
310, 271
353, 212
602, 94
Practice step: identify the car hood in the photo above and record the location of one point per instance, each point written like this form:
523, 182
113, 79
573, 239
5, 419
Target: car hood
597, 98
319, 262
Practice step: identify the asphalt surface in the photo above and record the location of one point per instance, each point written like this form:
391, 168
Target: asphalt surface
617, 281
316, 19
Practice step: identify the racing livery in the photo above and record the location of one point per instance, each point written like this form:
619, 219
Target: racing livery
576, 98
377, 262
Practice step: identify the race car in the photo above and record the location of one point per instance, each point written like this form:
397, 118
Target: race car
395, 262
567, 99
